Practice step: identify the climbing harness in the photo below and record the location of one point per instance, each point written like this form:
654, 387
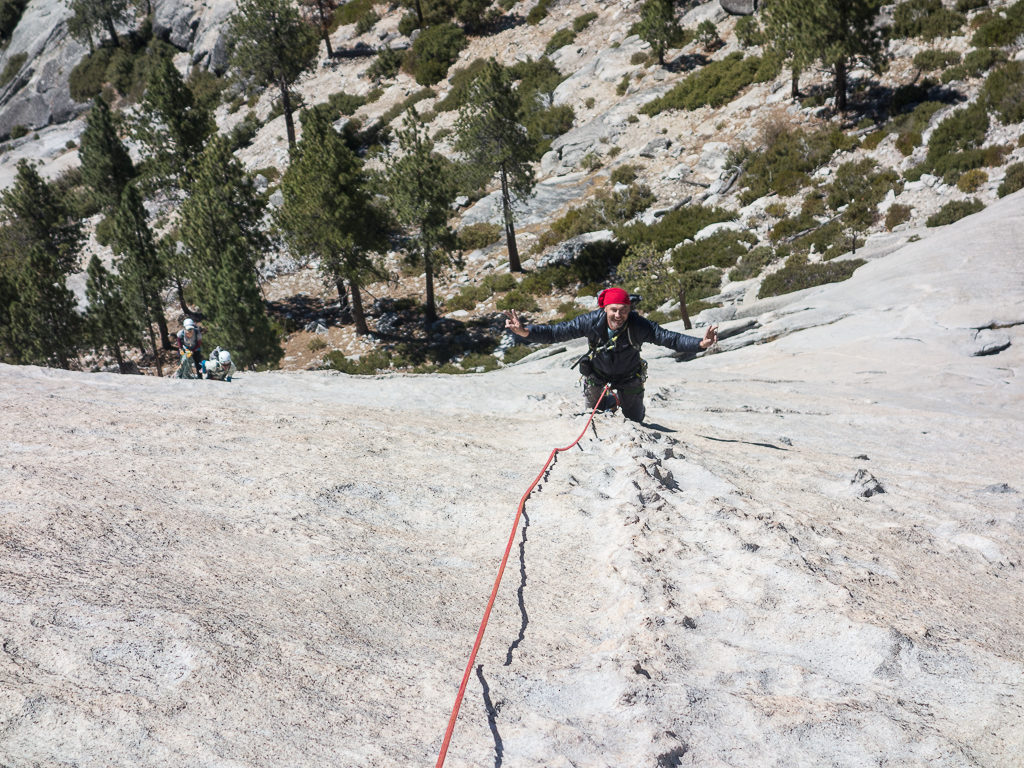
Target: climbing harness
497, 583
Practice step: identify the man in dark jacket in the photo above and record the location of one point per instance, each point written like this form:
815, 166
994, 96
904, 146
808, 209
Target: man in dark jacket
615, 332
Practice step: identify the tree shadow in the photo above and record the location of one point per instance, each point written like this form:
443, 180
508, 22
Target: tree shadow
525, 620
686, 62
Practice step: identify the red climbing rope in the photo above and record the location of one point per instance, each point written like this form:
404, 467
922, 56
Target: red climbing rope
497, 583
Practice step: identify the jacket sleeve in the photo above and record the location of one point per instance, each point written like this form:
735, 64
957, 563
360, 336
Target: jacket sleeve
680, 342
571, 329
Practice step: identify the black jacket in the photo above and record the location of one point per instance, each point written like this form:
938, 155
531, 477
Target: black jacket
622, 362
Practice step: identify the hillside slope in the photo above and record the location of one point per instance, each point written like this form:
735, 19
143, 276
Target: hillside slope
812, 556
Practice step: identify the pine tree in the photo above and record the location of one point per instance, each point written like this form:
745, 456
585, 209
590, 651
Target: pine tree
834, 32
494, 142
39, 243
328, 210
220, 229
139, 265
106, 166
273, 46
94, 17
108, 321
321, 14
171, 127
658, 26
420, 186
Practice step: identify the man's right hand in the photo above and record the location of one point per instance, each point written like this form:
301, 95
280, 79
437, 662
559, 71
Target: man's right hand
514, 324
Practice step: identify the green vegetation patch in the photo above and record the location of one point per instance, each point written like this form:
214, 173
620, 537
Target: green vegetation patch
1003, 92
560, 39
1012, 181
674, 227
954, 210
998, 30
13, 67
800, 273
927, 19
716, 84
478, 235
433, 52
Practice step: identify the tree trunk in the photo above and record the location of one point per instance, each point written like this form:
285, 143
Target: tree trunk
840, 69
109, 23
794, 87
327, 42
325, 18
180, 289
119, 357
510, 230
430, 315
419, 14
161, 323
289, 123
156, 352
683, 312
357, 310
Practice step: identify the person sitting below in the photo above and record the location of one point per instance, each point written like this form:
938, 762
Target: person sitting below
219, 367
615, 332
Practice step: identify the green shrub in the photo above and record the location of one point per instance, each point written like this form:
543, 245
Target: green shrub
624, 174
701, 284
931, 59
751, 263
972, 180
1013, 180
784, 164
926, 19
366, 22
582, 21
674, 227
516, 353
365, 365
715, 84
963, 6
498, 282
316, 344
859, 183
723, 249
607, 209
954, 210
707, 34
467, 298
518, 300
538, 12
639, 58
433, 52
907, 141
547, 279
476, 360
17, 131
799, 273
10, 15
558, 40
12, 68
748, 32
478, 235
411, 100
791, 226
1003, 92
995, 30
460, 81
352, 11
896, 215
386, 65
963, 129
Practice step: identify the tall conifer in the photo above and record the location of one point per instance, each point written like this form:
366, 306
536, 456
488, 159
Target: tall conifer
108, 321
328, 210
220, 229
494, 143
106, 165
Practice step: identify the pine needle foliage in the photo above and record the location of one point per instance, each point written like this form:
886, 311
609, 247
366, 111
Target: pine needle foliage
224, 242
106, 166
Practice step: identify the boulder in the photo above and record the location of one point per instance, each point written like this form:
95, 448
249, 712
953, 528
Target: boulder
175, 22
739, 7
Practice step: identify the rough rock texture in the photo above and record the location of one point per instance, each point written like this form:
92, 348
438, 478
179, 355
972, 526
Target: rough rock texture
290, 569
39, 95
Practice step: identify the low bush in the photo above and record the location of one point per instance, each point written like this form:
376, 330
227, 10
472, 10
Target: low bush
932, 59
411, 100
1012, 181
316, 344
352, 11
716, 84
366, 22
478, 235
975, 64
1003, 92
972, 180
518, 300
723, 249
583, 21
962, 129
799, 273
365, 365
516, 353
624, 174
952, 211
467, 298
927, 19
560, 39
13, 67
539, 11
963, 6
498, 282
674, 227
752, 263
460, 82
791, 226
707, 34
607, 210
17, 131
788, 157
896, 215
433, 52
996, 30
386, 65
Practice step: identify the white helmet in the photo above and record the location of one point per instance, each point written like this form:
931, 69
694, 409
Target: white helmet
224, 357
190, 324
